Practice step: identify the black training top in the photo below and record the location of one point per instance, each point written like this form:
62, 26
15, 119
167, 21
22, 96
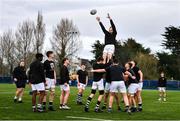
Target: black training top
64, 74
110, 38
131, 80
136, 71
20, 74
116, 72
49, 68
162, 82
98, 76
82, 76
36, 72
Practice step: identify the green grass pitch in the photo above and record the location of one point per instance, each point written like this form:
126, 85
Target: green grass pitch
152, 109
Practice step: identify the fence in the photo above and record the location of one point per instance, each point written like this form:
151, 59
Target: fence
147, 84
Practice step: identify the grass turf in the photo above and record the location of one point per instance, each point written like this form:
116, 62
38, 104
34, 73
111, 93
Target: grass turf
152, 109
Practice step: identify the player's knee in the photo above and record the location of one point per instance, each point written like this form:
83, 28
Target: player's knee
101, 92
131, 95
93, 91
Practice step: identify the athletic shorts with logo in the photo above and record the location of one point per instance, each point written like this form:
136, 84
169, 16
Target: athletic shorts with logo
98, 85
38, 87
81, 86
118, 86
50, 83
65, 87
109, 49
162, 89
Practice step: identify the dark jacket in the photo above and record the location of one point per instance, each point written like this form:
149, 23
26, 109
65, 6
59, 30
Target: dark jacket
162, 82
36, 72
20, 74
64, 74
110, 38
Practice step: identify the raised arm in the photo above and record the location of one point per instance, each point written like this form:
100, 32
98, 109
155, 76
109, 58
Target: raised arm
101, 25
99, 70
112, 24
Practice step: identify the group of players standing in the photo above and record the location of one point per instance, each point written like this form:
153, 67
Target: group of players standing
117, 77
42, 78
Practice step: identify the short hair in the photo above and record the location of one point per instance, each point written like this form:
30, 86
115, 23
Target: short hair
115, 61
39, 55
130, 64
100, 59
135, 62
64, 59
49, 53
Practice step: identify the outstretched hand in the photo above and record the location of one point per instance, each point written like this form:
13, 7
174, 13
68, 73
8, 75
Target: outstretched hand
98, 19
108, 16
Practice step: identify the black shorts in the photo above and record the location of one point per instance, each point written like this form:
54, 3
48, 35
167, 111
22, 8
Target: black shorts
20, 84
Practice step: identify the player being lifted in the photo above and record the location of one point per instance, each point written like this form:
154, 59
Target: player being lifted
97, 84
50, 74
82, 79
110, 39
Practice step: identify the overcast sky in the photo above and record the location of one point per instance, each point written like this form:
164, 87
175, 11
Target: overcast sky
143, 20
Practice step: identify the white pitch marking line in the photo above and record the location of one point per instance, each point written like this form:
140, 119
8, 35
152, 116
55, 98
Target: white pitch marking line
5, 107
86, 118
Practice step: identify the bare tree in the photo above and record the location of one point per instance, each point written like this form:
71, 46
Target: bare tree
7, 49
65, 41
24, 41
39, 33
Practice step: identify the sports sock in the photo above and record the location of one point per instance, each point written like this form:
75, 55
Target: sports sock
39, 106
88, 101
127, 107
44, 104
97, 105
79, 98
20, 99
140, 104
15, 97
50, 103
33, 106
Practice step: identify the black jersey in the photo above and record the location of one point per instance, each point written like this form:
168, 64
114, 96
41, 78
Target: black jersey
49, 68
64, 74
131, 80
20, 74
36, 72
110, 38
162, 82
82, 76
98, 76
136, 71
108, 77
116, 72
